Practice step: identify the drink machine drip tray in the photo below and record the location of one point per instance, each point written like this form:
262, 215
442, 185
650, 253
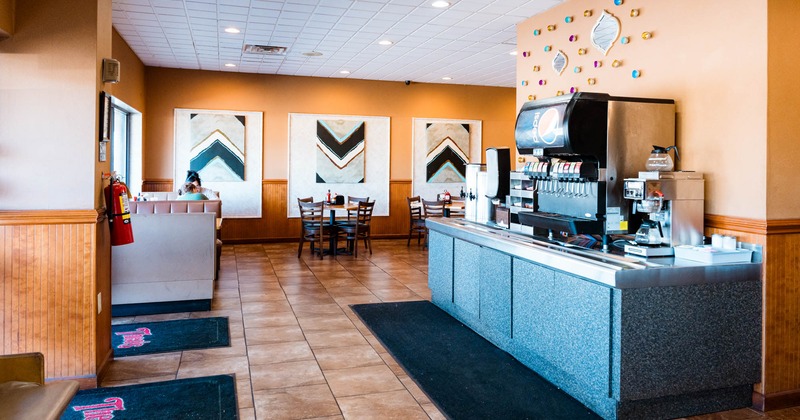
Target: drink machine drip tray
560, 223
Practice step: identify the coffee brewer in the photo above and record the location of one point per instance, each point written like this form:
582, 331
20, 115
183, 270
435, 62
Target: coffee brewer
672, 203
585, 144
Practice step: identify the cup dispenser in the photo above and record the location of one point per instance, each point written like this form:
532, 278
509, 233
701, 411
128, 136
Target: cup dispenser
477, 206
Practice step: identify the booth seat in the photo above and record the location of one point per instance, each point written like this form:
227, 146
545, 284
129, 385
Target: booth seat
25, 395
170, 195
172, 263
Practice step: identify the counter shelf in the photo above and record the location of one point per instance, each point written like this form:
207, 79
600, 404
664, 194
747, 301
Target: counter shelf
630, 338
609, 268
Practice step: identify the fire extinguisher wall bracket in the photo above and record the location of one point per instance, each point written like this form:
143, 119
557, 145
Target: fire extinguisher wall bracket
119, 213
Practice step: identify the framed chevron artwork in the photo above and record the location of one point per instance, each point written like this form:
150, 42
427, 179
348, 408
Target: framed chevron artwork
217, 151
441, 148
345, 154
225, 148
340, 152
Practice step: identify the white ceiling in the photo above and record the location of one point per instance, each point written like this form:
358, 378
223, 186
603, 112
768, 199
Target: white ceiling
470, 41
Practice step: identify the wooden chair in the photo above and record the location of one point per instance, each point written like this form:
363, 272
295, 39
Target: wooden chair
433, 208
313, 227
458, 209
351, 214
416, 219
360, 229
302, 224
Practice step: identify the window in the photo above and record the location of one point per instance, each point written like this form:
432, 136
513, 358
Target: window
120, 142
126, 144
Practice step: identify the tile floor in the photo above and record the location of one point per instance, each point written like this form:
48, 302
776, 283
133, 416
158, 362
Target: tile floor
297, 349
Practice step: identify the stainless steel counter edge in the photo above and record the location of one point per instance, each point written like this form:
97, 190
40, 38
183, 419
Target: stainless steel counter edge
609, 269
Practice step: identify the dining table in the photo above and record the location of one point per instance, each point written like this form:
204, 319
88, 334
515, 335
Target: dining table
332, 209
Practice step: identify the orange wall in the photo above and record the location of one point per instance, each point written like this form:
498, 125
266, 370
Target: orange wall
783, 111
710, 56
49, 82
130, 88
277, 96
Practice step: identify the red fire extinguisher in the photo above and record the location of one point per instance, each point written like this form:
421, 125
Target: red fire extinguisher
119, 213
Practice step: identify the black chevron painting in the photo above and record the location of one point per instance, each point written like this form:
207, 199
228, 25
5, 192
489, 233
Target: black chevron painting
218, 144
217, 151
447, 152
340, 151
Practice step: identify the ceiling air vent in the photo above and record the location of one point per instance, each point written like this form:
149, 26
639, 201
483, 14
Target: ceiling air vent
264, 49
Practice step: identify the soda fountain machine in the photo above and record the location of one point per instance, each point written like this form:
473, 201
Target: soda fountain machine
585, 145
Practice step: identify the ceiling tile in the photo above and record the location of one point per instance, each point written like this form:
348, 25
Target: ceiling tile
470, 40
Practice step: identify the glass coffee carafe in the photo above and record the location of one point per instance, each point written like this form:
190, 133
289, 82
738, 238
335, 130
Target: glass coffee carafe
649, 233
659, 159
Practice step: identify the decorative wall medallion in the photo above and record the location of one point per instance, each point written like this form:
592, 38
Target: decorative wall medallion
605, 32
587, 13
591, 81
568, 19
531, 97
647, 35
560, 62
636, 74
551, 27
634, 12
536, 32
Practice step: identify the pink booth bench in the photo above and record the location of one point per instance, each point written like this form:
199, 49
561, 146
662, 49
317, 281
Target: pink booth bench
173, 261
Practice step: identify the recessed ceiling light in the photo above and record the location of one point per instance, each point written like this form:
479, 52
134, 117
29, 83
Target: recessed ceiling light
440, 4
312, 54
344, 72
232, 30
447, 78
513, 53
230, 65
385, 42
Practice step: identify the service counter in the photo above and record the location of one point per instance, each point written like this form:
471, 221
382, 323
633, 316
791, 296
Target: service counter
630, 338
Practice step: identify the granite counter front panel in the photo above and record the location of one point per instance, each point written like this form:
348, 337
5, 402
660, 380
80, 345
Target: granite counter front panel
625, 352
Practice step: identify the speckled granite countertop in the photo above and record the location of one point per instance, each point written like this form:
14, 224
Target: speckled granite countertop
614, 270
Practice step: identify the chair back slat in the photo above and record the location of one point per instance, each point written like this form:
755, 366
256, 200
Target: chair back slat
433, 208
311, 213
353, 214
415, 208
364, 211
